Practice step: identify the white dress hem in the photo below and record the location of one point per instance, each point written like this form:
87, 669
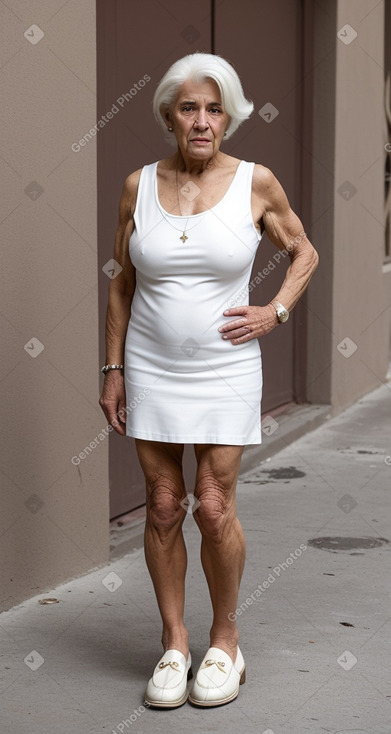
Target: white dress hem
226, 440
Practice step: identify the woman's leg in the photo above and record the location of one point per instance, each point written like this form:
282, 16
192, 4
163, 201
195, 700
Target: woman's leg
223, 544
165, 550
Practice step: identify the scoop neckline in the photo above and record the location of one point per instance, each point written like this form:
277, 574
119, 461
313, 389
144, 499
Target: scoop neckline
190, 216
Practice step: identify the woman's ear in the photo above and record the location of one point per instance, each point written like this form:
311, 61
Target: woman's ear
167, 115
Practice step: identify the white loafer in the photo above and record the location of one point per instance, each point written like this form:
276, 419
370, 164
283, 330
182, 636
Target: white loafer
218, 678
168, 685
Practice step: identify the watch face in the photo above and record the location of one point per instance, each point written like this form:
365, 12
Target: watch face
283, 315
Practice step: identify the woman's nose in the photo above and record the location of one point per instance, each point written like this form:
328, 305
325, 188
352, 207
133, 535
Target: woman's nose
201, 121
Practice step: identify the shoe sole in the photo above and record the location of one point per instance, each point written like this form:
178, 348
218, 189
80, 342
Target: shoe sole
167, 704
221, 701
170, 704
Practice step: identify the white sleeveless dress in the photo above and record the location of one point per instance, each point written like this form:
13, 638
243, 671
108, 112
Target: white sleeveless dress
184, 383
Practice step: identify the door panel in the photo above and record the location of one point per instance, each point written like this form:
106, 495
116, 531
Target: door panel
134, 39
262, 40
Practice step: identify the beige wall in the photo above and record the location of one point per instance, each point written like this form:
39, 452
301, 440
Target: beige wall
53, 514
352, 294
361, 291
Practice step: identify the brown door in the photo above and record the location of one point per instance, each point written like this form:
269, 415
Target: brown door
137, 41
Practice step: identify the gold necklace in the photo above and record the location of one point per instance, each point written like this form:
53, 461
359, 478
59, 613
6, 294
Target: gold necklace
183, 236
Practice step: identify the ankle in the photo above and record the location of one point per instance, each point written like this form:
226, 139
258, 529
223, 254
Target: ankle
228, 643
176, 639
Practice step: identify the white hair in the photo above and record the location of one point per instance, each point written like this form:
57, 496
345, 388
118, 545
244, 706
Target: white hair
198, 67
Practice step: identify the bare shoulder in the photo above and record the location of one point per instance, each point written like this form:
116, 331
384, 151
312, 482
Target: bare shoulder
266, 185
130, 188
132, 180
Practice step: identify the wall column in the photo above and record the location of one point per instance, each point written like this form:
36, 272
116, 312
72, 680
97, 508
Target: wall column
54, 511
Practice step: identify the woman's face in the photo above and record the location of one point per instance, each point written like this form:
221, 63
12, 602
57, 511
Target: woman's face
198, 119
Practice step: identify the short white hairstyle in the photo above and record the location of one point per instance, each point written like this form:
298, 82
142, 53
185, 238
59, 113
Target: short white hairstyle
199, 67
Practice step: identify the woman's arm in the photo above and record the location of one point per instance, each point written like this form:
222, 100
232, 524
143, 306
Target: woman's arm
121, 290
285, 230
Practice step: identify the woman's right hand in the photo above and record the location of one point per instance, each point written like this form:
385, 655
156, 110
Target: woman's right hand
113, 401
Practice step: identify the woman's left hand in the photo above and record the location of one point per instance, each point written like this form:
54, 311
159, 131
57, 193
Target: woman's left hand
251, 322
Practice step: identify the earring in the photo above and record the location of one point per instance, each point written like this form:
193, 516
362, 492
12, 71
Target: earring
170, 129
225, 135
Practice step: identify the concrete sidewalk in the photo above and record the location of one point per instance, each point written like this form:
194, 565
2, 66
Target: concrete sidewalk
314, 609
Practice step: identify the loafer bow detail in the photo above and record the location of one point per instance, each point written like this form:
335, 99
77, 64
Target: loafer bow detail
214, 662
173, 665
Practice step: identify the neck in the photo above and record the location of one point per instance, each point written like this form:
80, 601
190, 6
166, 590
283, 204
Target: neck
194, 166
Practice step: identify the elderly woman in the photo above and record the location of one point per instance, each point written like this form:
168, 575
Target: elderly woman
190, 366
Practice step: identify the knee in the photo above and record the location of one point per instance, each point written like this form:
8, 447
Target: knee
214, 510
164, 510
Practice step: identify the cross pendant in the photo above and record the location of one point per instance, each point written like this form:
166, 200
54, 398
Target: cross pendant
183, 238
